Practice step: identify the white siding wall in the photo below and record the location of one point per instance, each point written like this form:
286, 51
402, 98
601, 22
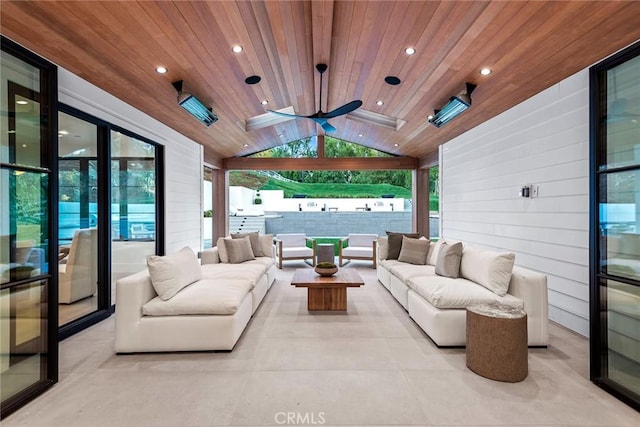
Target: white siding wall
183, 157
543, 141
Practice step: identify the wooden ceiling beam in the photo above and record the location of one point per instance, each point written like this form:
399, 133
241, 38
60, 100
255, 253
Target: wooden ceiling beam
326, 163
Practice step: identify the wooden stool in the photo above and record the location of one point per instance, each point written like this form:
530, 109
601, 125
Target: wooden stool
497, 342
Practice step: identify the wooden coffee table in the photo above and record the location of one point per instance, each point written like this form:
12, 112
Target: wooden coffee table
326, 293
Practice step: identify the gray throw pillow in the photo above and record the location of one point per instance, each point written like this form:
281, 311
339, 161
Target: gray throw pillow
254, 238
448, 263
239, 250
414, 251
395, 243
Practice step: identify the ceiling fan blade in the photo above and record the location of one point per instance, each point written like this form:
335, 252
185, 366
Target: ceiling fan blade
345, 109
285, 114
326, 126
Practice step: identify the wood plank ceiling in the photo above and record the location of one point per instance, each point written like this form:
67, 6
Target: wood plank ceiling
117, 45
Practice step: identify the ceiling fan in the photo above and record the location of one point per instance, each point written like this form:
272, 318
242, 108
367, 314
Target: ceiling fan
321, 117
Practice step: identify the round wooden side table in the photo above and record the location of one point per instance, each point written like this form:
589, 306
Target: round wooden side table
497, 346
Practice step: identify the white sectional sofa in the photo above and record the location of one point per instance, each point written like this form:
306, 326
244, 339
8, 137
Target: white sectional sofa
438, 304
157, 310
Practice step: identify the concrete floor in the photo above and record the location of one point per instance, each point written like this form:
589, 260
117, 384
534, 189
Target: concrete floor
370, 367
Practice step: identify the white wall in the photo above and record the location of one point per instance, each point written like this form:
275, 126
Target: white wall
183, 157
543, 141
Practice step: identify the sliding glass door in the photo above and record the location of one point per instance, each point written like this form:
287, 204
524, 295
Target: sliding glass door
615, 230
28, 332
135, 205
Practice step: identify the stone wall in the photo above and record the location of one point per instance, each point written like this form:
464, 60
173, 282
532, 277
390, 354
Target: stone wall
337, 224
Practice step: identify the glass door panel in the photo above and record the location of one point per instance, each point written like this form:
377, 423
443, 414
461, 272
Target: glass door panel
28, 346
615, 282
133, 205
77, 218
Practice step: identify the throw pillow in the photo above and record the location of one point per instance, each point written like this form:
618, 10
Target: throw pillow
448, 263
170, 273
222, 250
239, 250
414, 251
395, 243
489, 269
254, 238
432, 257
266, 242
383, 247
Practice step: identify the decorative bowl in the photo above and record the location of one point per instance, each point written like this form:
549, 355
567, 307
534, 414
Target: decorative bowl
326, 272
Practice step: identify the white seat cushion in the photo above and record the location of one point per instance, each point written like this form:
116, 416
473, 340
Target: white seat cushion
444, 292
357, 251
404, 271
248, 271
299, 251
205, 296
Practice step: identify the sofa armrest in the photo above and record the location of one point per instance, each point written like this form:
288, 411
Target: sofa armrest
531, 287
132, 292
210, 256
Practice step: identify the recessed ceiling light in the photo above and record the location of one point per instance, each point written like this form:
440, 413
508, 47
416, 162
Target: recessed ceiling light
392, 80
360, 135
24, 145
236, 48
396, 145
252, 80
245, 145
429, 117
264, 102
485, 71
22, 102
161, 70
409, 51
281, 135
379, 102
63, 132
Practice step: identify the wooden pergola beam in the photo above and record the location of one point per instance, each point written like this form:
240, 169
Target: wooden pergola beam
325, 163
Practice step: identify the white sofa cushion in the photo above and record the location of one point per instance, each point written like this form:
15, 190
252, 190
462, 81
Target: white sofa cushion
205, 296
489, 269
445, 292
170, 273
414, 251
239, 250
299, 251
404, 271
250, 271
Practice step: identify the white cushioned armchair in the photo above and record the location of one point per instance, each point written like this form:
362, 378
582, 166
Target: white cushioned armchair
294, 246
359, 246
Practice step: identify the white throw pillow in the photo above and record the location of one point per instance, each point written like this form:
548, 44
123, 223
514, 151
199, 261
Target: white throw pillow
489, 269
432, 257
222, 250
383, 248
170, 273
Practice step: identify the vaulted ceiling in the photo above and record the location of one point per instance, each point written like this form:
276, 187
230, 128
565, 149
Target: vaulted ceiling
529, 46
